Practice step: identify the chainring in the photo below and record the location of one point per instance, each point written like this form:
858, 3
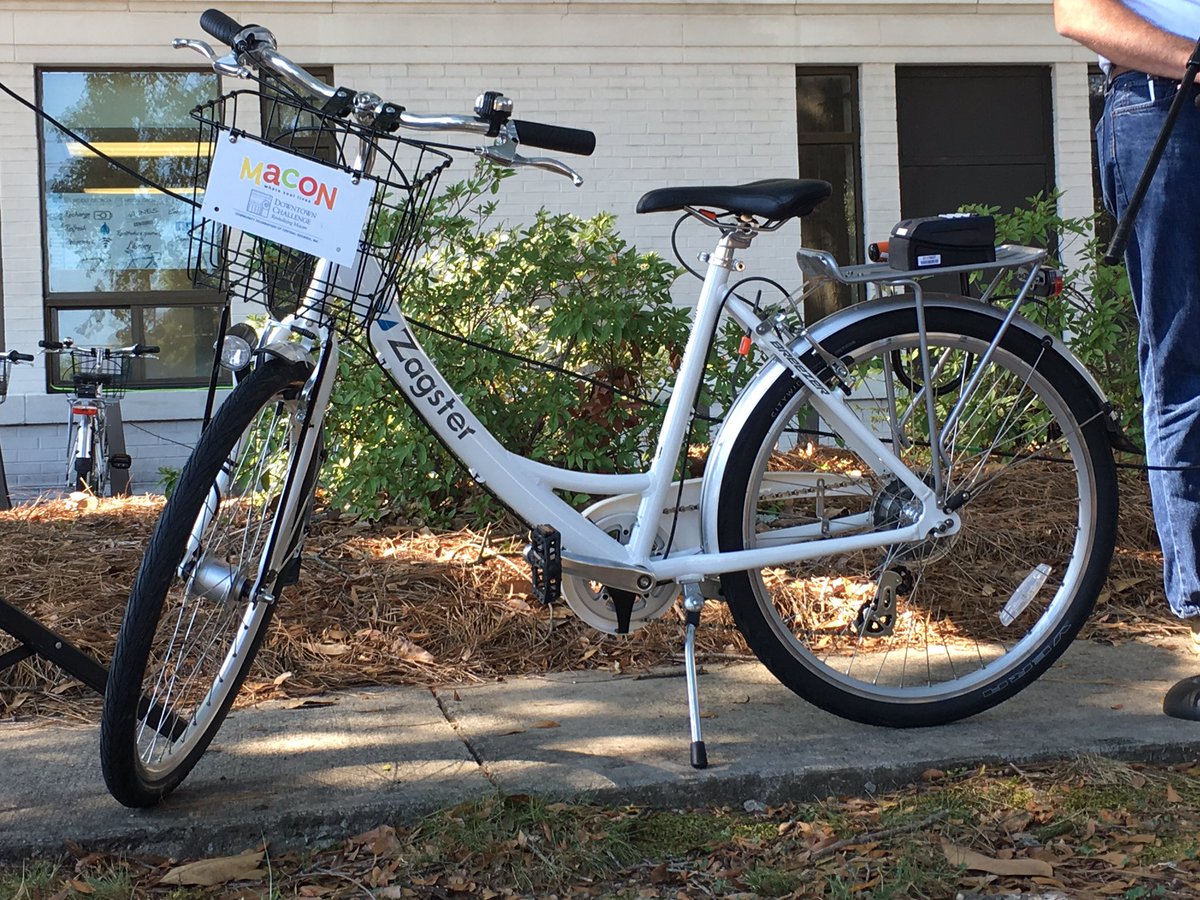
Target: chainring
591, 601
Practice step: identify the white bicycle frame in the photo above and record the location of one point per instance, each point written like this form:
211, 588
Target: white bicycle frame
529, 487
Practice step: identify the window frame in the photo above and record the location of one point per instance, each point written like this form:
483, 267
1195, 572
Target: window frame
116, 300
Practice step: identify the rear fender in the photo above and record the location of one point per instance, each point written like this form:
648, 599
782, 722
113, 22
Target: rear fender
753, 393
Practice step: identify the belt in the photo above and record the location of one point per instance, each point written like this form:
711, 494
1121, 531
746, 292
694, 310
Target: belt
1116, 71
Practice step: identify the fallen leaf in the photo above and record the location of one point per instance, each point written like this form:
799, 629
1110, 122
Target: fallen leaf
1015, 821
412, 652
308, 703
221, 870
547, 723
381, 840
327, 649
1173, 795
969, 859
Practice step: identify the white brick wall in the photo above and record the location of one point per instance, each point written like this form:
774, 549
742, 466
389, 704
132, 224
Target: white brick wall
678, 91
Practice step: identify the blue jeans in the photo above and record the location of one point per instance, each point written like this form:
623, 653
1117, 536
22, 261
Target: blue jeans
1163, 260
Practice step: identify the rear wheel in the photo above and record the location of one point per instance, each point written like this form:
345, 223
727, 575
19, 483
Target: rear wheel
194, 621
932, 631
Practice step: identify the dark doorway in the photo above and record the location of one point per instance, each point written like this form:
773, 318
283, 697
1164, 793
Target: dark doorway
973, 134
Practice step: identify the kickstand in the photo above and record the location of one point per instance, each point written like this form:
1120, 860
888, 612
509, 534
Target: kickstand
693, 602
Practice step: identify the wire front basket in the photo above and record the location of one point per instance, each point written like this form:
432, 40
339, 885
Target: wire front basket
94, 374
257, 270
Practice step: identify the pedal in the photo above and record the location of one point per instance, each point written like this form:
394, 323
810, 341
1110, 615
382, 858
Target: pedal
544, 555
121, 461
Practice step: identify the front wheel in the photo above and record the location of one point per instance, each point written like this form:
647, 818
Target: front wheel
932, 631
194, 621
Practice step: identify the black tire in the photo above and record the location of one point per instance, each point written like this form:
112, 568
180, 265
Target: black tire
79, 472
83, 474
164, 650
912, 635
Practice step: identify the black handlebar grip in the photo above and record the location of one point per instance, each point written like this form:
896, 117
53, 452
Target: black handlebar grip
219, 25
145, 348
554, 137
20, 357
51, 345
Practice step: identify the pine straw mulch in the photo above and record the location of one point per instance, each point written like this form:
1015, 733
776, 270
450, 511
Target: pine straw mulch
380, 604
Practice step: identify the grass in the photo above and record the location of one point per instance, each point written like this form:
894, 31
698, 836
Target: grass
1103, 828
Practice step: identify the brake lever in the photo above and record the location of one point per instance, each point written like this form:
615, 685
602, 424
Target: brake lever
504, 153
225, 65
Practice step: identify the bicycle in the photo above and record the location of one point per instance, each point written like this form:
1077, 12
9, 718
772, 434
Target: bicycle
99, 376
7, 360
840, 505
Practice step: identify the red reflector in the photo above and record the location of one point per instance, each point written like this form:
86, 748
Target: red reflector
708, 214
1057, 287
745, 345
84, 410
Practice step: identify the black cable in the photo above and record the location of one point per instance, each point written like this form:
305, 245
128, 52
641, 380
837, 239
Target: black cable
160, 437
72, 134
539, 364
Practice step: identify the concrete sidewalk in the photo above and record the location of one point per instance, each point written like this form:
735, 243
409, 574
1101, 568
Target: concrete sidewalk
307, 775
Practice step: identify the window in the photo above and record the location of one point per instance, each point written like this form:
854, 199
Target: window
116, 251
828, 130
973, 134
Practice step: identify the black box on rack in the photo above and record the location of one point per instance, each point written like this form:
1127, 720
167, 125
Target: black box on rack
951, 239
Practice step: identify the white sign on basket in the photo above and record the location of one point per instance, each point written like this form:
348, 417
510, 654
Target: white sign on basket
288, 199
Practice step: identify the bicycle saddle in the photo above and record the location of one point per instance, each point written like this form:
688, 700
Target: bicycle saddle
772, 198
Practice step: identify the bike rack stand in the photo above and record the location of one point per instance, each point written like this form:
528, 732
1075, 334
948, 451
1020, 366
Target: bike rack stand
5, 501
37, 639
116, 445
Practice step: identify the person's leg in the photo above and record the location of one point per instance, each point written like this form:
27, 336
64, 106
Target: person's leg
1164, 269
1163, 261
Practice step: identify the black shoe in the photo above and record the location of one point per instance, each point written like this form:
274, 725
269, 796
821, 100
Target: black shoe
1183, 700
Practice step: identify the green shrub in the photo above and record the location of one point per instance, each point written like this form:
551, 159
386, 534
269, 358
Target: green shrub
1094, 314
564, 290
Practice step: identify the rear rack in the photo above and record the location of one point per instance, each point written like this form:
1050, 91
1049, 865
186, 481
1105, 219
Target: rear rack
821, 264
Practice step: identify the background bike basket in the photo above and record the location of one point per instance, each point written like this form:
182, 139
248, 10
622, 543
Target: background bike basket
87, 372
405, 175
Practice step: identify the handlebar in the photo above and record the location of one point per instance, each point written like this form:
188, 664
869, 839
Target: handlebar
14, 356
68, 346
224, 28
254, 48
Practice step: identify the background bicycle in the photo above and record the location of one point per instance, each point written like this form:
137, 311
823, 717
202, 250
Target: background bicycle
7, 360
98, 377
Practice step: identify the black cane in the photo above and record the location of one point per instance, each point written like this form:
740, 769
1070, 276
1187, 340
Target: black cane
1116, 248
